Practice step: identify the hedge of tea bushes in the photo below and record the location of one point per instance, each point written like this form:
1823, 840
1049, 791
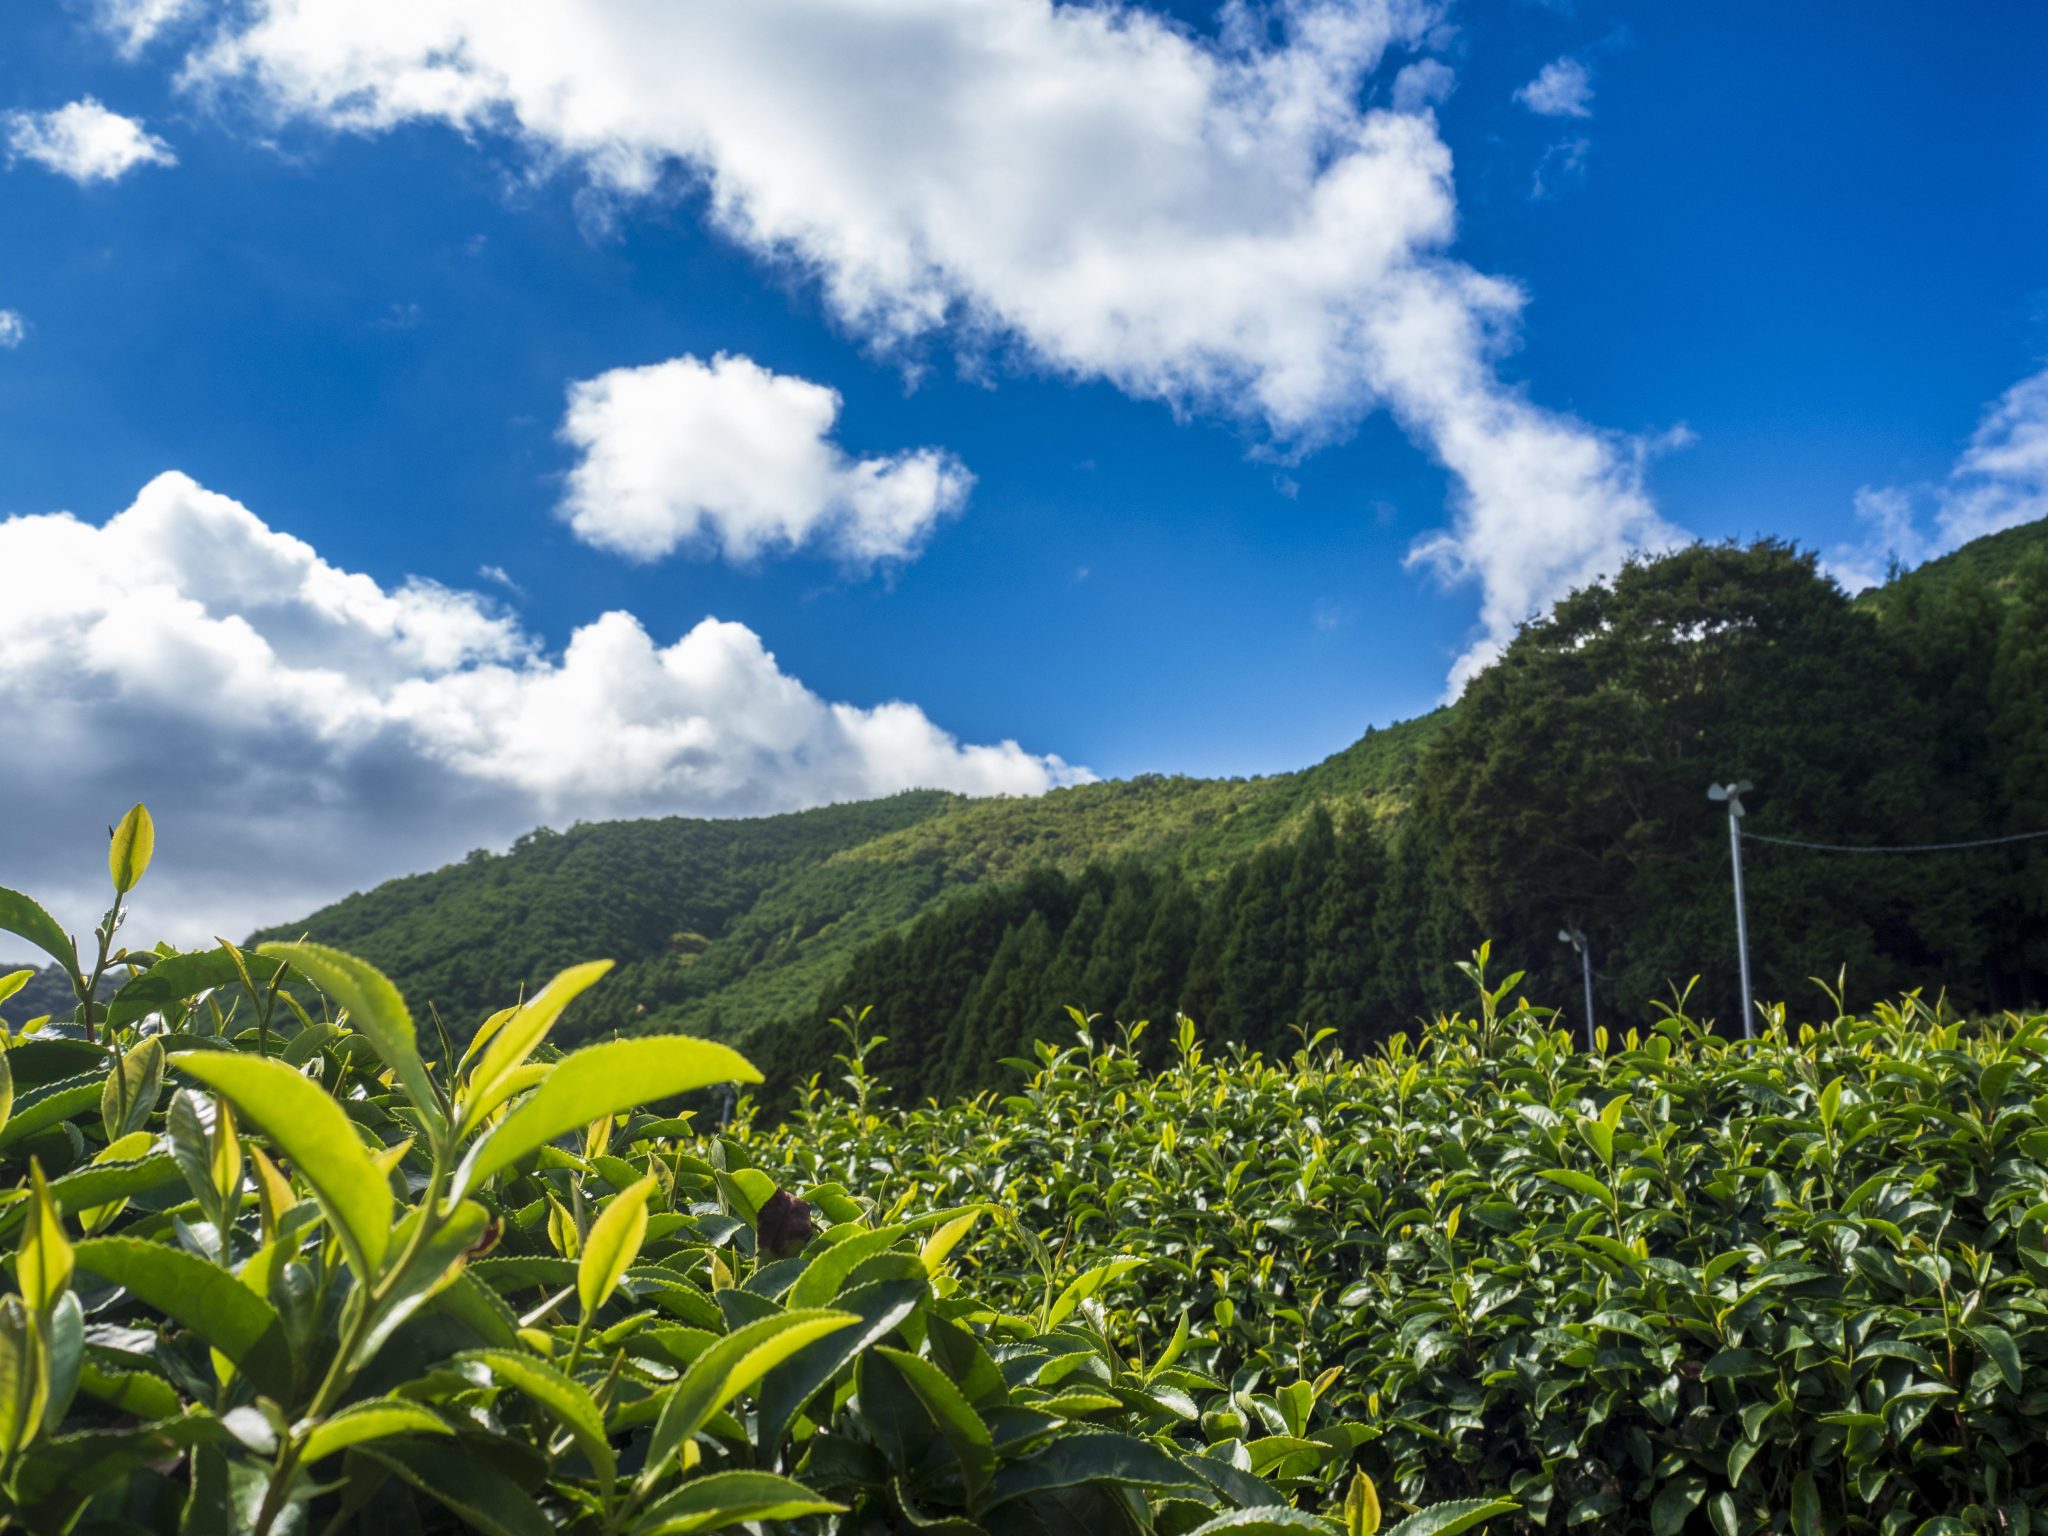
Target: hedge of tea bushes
284, 1258
1680, 1283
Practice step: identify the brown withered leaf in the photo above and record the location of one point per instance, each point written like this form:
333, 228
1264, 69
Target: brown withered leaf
784, 1226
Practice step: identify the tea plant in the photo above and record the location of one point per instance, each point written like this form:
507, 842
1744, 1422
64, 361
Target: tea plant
1680, 1284
281, 1265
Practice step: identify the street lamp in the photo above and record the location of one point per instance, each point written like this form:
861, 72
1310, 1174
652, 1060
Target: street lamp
1732, 794
1577, 940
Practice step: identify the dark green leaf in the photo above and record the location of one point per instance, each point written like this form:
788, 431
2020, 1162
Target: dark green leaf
203, 1297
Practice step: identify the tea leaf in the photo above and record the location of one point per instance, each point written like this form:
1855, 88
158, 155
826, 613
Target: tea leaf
1449, 1519
956, 1420
129, 853
43, 1262
203, 1297
601, 1080
474, 1489
313, 1132
175, 978
25, 920
731, 1498
516, 1037
731, 1366
1119, 1460
374, 1007
612, 1245
23, 1387
1361, 1507
130, 1094
361, 1423
560, 1398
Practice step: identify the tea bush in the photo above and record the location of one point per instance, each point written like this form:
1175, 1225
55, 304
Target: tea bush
277, 1267
1678, 1284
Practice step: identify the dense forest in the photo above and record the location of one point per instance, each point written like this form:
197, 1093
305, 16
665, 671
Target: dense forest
1565, 789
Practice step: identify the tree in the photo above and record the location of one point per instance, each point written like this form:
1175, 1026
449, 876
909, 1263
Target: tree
1570, 784
2019, 740
1343, 958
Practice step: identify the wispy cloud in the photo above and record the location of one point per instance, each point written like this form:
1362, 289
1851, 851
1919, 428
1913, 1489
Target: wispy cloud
13, 329
1424, 85
1562, 162
1998, 481
134, 24
1562, 88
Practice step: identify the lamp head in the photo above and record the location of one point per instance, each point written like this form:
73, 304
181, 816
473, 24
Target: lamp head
1731, 793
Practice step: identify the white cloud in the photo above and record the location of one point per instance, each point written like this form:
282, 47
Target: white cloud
1999, 481
729, 454
1562, 88
1090, 189
134, 24
301, 731
13, 329
1423, 85
84, 141
1562, 162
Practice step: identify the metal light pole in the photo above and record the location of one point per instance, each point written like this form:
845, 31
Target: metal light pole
1577, 940
1732, 793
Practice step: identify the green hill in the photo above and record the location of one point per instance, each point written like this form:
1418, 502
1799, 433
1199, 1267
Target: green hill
722, 926
1998, 562
1564, 788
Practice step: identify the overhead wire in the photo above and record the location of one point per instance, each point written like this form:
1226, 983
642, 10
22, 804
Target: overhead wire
1980, 842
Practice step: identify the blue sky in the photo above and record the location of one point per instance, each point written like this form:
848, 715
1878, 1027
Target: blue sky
1734, 270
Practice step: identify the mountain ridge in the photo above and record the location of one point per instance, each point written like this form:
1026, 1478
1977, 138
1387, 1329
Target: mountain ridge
782, 901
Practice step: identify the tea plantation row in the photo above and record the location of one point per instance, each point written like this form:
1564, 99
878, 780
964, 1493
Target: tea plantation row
1678, 1284
276, 1269
285, 1259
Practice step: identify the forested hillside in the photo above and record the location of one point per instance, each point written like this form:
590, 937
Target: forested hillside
724, 926
1566, 787
1567, 790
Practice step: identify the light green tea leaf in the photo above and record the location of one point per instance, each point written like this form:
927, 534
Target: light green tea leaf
601, 1080
129, 853
374, 1007
310, 1129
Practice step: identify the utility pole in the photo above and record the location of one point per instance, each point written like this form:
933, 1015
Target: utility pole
1577, 940
1732, 794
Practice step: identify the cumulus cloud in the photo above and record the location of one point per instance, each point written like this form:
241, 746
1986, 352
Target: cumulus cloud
13, 329
84, 141
1999, 481
728, 455
1562, 88
1217, 224
301, 730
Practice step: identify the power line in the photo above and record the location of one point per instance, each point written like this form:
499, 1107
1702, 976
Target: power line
1981, 842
